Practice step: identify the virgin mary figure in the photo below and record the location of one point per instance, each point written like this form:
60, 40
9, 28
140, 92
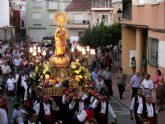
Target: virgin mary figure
60, 35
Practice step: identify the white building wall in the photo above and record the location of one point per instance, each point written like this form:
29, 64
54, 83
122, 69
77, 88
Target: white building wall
4, 13
46, 22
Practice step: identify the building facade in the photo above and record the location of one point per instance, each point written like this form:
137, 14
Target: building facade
101, 11
84, 14
117, 5
79, 17
143, 34
7, 30
40, 17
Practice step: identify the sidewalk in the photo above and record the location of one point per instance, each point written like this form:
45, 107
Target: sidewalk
127, 94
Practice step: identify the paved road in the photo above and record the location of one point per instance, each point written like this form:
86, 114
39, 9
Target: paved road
10, 110
121, 111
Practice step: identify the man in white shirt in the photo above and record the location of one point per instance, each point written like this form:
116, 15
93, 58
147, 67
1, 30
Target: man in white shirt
135, 83
6, 70
76, 104
17, 63
94, 74
102, 110
3, 116
44, 110
147, 111
32, 118
86, 113
27, 92
147, 85
136, 101
10, 86
108, 81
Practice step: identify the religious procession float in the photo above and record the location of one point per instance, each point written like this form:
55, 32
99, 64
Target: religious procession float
55, 75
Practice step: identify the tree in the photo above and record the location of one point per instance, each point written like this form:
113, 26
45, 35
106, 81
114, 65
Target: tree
101, 35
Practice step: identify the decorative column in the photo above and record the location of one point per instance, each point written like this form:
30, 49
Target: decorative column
139, 49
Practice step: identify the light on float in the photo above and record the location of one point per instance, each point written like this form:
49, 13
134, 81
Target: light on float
72, 49
83, 52
92, 52
82, 49
34, 47
34, 53
30, 50
88, 49
39, 50
44, 53
78, 47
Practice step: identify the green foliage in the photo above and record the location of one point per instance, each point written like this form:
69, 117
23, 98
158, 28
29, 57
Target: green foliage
101, 35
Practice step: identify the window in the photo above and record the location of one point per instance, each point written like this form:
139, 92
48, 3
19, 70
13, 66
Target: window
37, 17
78, 18
51, 19
36, 5
22, 23
153, 52
80, 33
51, 16
127, 9
105, 19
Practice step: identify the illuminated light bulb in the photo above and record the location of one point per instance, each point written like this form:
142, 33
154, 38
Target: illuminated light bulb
34, 47
72, 49
88, 49
44, 53
78, 47
83, 52
92, 52
34, 53
39, 50
30, 50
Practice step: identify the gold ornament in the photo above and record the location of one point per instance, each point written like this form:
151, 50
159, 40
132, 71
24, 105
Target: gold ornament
61, 18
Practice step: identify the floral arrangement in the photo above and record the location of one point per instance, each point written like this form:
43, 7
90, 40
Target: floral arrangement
79, 73
45, 75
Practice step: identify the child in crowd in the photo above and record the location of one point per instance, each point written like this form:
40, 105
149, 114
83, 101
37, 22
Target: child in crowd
18, 114
10, 86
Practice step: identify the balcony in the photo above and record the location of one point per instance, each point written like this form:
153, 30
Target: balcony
78, 24
104, 6
52, 5
127, 10
36, 5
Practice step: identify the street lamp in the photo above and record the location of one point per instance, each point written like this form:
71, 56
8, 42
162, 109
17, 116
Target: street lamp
5, 29
36, 54
119, 14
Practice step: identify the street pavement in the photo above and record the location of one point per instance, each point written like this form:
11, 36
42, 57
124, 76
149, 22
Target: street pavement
126, 101
121, 111
10, 110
